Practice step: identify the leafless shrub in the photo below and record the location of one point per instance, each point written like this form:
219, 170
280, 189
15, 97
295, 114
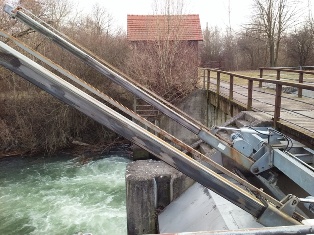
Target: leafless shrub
33, 121
166, 67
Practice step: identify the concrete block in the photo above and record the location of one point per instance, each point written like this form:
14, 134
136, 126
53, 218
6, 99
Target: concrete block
151, 186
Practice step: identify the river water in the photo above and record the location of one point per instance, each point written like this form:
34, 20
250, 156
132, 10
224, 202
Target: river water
63, 195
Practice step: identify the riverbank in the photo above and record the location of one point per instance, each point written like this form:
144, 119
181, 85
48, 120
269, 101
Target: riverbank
117, 146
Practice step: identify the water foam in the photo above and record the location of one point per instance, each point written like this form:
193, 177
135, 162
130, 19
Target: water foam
65, 198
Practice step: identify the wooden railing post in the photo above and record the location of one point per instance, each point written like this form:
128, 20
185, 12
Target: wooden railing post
277, 104
204, 80
278, 74
208, 79
261, 76
207, 95
250, 95
218, 83
231, 95
300, 81
218, 88
231, 87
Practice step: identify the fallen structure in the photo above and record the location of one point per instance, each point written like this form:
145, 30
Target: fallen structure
252, 151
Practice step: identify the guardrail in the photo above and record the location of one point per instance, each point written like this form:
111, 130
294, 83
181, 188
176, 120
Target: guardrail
229, 92
299, 72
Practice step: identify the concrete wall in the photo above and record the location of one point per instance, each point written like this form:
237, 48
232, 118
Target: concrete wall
195, 106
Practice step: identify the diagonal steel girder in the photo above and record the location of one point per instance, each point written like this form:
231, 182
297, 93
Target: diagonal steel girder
196, 155
56, 86
113, 74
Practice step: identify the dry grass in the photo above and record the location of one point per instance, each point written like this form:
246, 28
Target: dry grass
36, 122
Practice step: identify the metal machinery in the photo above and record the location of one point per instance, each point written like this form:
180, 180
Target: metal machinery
254, 150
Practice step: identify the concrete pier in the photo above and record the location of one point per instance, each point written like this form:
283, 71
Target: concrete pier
151, 186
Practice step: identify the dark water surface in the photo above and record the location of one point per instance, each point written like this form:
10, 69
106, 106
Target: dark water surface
63, 195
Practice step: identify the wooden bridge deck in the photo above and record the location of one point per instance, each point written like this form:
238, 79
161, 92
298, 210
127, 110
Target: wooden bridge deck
296, 114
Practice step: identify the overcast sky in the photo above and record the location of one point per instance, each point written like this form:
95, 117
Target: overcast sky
215, 12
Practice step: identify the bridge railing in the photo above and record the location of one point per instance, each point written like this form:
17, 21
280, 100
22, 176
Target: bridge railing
212, 79
295, 74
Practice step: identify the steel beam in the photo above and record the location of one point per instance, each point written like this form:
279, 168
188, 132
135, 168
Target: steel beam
93, 108
156, 129
109, 73
295, 170
136, 89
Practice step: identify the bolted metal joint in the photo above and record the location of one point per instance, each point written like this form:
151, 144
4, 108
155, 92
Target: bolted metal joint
289, 202
11, 10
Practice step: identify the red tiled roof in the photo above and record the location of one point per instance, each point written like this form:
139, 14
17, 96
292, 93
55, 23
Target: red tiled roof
164, 27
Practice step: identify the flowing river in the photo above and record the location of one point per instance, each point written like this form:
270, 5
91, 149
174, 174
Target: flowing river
63, 195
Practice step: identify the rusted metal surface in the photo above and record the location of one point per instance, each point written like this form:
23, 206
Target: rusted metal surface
116, 122
228, 151
121, 125
137, 117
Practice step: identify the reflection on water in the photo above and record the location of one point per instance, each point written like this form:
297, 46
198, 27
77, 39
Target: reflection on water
53, 196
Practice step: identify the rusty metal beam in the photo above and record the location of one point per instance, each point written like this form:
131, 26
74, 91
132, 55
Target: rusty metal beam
100, 67
172, 112
93, 108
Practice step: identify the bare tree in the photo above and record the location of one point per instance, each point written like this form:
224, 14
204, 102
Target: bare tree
301, 44
272, 18
252, 50
57, 11
31, 120
212, 46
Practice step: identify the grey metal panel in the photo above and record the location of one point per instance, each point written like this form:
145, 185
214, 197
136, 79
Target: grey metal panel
297, 229
71, 95
228, 151
298, 172
200, 209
